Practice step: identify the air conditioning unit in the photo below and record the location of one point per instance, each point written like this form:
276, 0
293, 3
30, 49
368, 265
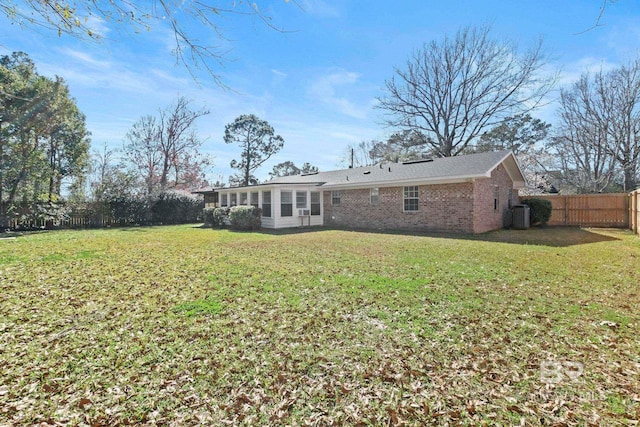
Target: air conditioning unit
303, 212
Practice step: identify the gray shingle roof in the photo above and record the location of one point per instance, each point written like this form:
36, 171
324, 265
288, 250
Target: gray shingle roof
440, 169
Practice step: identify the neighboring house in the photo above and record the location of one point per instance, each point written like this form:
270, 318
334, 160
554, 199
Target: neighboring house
469, 194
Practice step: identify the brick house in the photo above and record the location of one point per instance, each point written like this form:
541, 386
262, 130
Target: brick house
468, 194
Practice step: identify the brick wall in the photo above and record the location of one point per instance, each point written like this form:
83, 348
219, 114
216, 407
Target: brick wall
486, 218
464, 207
446, 207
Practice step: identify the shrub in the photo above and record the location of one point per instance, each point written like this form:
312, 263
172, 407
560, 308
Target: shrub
245, 218
176, 207
539, 211
218, 217
207, 216
38, 214
129, 209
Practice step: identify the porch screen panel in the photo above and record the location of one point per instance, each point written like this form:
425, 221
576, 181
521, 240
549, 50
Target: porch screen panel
266, 204
286, 203
315, 203
301, 199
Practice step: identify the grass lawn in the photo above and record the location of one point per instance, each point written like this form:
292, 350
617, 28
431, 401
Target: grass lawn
184, 325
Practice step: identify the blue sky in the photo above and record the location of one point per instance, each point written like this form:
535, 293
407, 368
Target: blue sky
317, 82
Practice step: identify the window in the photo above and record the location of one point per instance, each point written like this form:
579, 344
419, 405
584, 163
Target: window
374, 196
254, 199
496, 197
509, 198
286, 203
336, 197
234, 199
266, 204
411, 198
243, 199
301, 199
315, 203
223, 200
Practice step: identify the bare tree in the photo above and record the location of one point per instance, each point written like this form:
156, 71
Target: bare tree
581, 143
169, 143
622, 88
184, 20
178, 139
600, 115
143, 151
358, 155
454, 89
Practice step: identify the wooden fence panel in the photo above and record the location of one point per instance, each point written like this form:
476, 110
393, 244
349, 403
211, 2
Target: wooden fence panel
589, 210
634, 211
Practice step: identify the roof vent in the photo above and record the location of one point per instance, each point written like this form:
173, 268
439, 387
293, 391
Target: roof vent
389, 168
367, 172
309, 173
411, 162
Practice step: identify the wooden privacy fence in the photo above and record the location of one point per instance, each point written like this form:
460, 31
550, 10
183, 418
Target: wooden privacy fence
590, 210
634, 211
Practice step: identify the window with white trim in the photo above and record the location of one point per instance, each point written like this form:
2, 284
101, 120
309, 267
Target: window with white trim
243, 199
286, 203
411, 198
315, 203
374, 195
266, 204
233, 199
496, 197
336, 197
301, 199
253, 199
223, 200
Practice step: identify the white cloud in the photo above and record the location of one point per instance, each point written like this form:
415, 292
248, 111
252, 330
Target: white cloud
85, 58
326, 90
571, 72
623, 39
320, 8
97, 26
90, 73
279, 73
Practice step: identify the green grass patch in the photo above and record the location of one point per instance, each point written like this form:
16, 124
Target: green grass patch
198, 308
185, 326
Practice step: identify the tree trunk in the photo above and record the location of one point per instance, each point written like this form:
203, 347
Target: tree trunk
2, 207
629, 183
247, 170
14, 188
52, 169
165, 173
